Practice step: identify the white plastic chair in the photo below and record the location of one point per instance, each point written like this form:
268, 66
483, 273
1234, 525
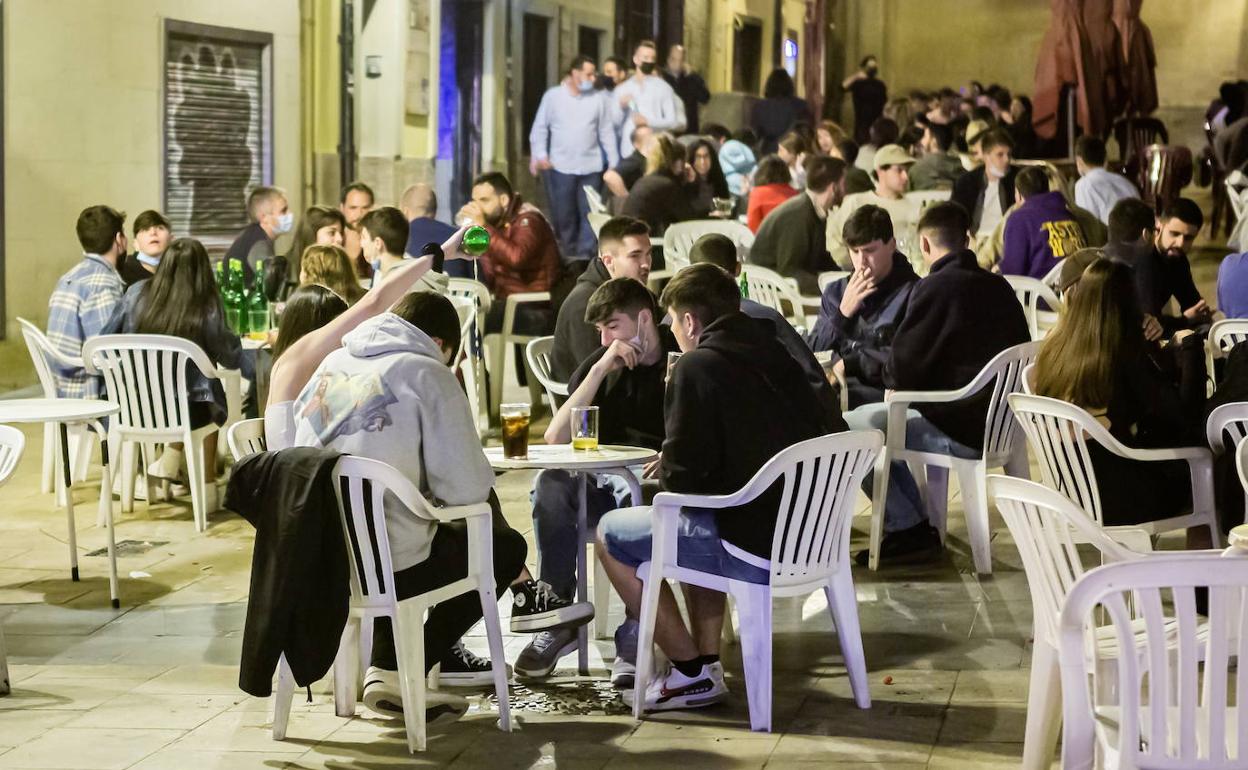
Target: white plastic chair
81, 440
925, 198
360, 484
472, 301
594, 198
1058, 433
12, 444
1053, 278
1241, 465
1048, 528
1159, 707
497, 344
1002, 449
767, 287
1031, 292
1223, 335
678, 238
809, 552
596, 220
246, 437
828, 276
537, 353
146, 375
1235, 194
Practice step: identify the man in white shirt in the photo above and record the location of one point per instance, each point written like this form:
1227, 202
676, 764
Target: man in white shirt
1098, 189
892, 173
647, 99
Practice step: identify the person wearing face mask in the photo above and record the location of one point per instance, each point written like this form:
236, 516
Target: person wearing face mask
987, 192
85, 297
859, 314
892, 180
734, 399
320, 226
270, 217
573, 140
869, 96
647, 99
523, 255
791, 239
151, 238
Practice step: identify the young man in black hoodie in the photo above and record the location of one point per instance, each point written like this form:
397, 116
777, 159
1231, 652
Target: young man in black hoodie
623, 252
734, 400
959, 317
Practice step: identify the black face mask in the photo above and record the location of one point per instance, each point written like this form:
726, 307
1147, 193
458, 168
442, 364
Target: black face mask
605, 82
647, 68
871, 71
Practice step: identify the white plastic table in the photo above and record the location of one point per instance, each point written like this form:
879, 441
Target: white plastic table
65, 412
582, 463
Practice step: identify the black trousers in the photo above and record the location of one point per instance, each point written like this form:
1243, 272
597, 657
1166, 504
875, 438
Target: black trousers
448, 562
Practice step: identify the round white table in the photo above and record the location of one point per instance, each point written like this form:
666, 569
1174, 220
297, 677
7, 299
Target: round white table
606, 459
65, 412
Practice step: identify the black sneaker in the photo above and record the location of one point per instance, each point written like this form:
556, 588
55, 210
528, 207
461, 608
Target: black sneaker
542, 654
463, 668
918, 543
535, 607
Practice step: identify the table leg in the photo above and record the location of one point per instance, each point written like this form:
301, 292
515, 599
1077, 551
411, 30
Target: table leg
68, 481
582, 578
106, 515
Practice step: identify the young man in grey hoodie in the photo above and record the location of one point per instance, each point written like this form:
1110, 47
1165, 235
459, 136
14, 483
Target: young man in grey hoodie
388, 394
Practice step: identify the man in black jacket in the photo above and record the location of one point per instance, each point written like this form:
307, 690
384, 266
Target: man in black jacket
860, 313
793, 238
959, 317
623, 252
734, 400
987, 192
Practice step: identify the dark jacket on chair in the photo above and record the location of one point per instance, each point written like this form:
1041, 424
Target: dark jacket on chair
959, 317
300, 583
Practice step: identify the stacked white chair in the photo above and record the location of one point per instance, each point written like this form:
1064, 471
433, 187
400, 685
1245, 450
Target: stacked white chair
810, 551
1058, 433
472, 301
146, 375
81, 440
1048, 529
767, 287
12, 443
1002, 449
1173, 694
1032, 294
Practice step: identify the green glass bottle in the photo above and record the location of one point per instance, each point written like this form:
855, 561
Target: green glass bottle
745, 286
258, 305
234, 298
476, 241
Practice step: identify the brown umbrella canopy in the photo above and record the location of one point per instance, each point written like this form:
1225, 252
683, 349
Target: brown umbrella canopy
1140, 79
1081, 49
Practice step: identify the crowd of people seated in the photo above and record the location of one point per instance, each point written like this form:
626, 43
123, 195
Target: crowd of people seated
360, 361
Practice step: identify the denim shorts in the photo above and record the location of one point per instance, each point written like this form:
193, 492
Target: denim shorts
627, 534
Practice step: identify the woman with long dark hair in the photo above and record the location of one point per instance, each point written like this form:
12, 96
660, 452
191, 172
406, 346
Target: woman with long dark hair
1098, 359
778, 112
308, 309
709, 181
660, 198
320, 226
181, 300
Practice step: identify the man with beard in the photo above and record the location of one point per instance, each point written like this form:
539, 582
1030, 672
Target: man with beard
356, 201
523, 255
1157, 249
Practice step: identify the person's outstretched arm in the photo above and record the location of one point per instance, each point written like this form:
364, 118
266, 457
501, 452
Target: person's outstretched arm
295, 367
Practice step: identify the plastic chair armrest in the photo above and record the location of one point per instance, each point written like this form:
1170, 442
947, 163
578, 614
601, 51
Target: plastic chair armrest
448, 513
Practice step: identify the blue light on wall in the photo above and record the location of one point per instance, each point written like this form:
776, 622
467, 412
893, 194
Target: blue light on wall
788, 51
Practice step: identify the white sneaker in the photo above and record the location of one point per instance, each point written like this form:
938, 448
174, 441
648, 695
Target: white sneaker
168, 467
383, 695
677, 691
623, 674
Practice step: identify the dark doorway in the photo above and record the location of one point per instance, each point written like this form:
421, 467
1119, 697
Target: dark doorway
536, 72
589, 43
459, 124
747, 52
662, 21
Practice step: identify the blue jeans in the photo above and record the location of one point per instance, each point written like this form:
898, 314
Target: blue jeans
627, 535
569, 209
903, 507
555, 501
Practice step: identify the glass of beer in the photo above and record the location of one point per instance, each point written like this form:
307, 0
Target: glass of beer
672, 358
515, 431
585, 427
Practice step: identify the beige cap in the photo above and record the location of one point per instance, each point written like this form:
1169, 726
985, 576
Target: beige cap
1074, 265
975, 131
892, 155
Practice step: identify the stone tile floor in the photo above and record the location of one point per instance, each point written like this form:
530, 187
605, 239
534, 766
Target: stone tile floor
153, 686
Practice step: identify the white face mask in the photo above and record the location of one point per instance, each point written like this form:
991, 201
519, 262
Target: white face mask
148, 259
285, 222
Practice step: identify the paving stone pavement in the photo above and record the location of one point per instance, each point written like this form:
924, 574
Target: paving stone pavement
153, 685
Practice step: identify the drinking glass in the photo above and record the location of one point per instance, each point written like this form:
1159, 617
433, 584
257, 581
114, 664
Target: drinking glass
672, 358
515, 419
585, 427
